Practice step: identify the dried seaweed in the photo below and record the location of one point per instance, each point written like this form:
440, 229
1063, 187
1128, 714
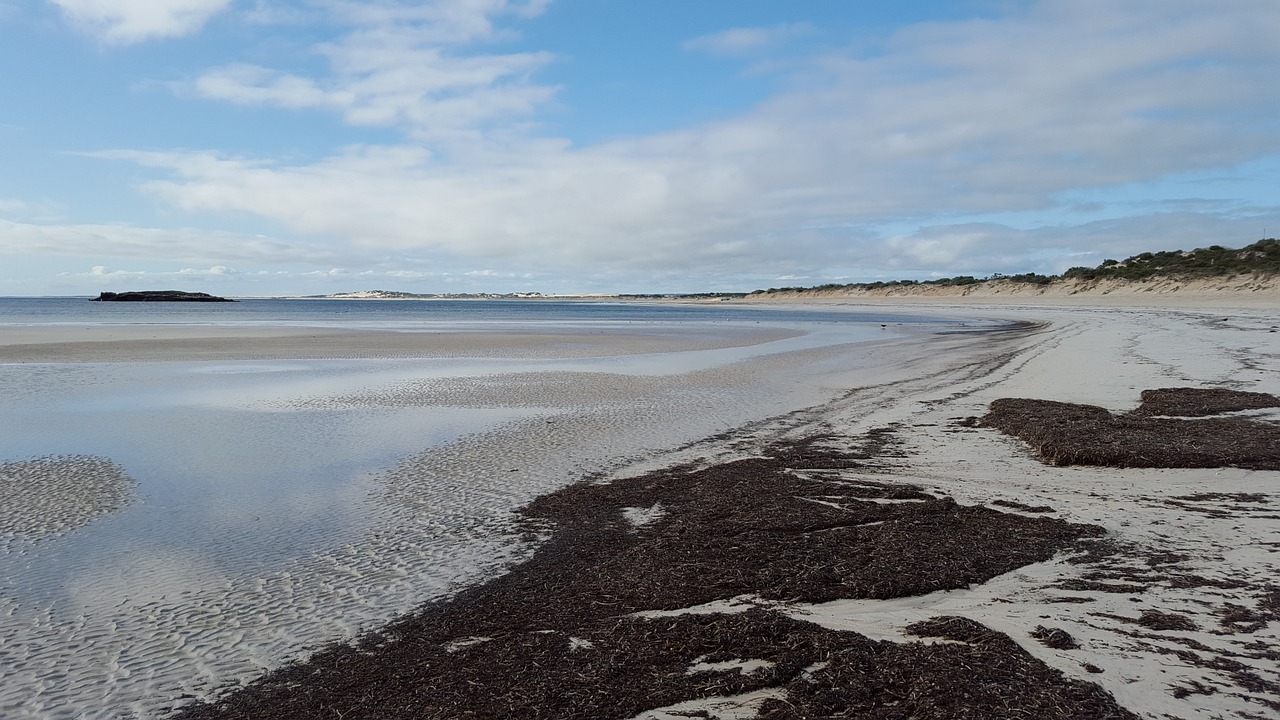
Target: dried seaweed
1200, 402
1240, 619
984, 674
557, 636
1055, 638
1079, 585
1072, 434
1193, 687
1023, 507
1157, 620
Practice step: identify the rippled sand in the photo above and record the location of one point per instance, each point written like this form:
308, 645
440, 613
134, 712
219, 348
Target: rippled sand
49, 496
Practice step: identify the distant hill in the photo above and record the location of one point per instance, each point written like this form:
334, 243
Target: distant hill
1261, 260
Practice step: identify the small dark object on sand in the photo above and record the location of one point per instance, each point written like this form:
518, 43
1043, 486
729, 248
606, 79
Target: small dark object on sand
1056, 638
1023, 507
1156, 620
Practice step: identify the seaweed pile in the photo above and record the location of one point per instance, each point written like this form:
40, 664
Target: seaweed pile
1172, 428
566, 633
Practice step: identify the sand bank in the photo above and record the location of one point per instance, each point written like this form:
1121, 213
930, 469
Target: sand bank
189, 343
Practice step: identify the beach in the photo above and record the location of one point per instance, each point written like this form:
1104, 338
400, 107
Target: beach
1135, 590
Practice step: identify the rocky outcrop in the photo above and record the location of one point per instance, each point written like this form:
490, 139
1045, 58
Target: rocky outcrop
160, 296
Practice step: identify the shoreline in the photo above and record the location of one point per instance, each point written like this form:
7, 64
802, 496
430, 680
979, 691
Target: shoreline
1186, 546
1185, 539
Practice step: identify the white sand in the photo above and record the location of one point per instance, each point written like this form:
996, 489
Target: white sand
1106, 357
443, 512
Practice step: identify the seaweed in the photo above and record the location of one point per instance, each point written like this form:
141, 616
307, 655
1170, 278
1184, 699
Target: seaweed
1073, 434
1055, 638
980, 674
562, 635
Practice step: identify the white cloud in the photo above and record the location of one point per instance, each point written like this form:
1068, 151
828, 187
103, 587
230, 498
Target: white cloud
253, 85
421, 90
489, 273
100, 276
438, 21
106, 276
747, 40
951, 121
173, 244
401, 65
130, 21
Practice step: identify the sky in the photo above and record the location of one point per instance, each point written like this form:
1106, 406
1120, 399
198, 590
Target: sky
300, 147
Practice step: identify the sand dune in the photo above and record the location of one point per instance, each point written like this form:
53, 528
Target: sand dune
1257, 291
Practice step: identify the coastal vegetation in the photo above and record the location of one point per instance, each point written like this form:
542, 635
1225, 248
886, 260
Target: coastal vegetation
1259, 258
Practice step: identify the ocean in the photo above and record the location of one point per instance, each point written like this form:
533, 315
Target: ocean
405, 313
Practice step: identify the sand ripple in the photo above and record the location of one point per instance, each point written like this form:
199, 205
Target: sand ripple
53, 495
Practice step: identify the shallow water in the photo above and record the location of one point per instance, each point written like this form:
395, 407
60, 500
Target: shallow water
405, 313
265, 508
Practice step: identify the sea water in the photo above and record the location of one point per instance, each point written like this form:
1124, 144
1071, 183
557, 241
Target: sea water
199, 523
409, 313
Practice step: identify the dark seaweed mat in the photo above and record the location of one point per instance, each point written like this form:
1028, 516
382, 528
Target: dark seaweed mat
984, 675
553, 638
1199, 402
1153, 435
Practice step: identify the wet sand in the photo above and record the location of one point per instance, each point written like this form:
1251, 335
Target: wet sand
1171, 617
166, 343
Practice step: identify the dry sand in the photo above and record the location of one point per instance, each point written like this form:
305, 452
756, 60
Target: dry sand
1177, 621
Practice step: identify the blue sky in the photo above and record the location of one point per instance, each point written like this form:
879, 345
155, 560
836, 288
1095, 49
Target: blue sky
264, 147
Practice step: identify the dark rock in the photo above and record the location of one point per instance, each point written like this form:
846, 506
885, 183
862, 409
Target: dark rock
160, 296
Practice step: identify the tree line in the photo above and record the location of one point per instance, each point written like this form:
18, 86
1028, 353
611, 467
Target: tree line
1262, 257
